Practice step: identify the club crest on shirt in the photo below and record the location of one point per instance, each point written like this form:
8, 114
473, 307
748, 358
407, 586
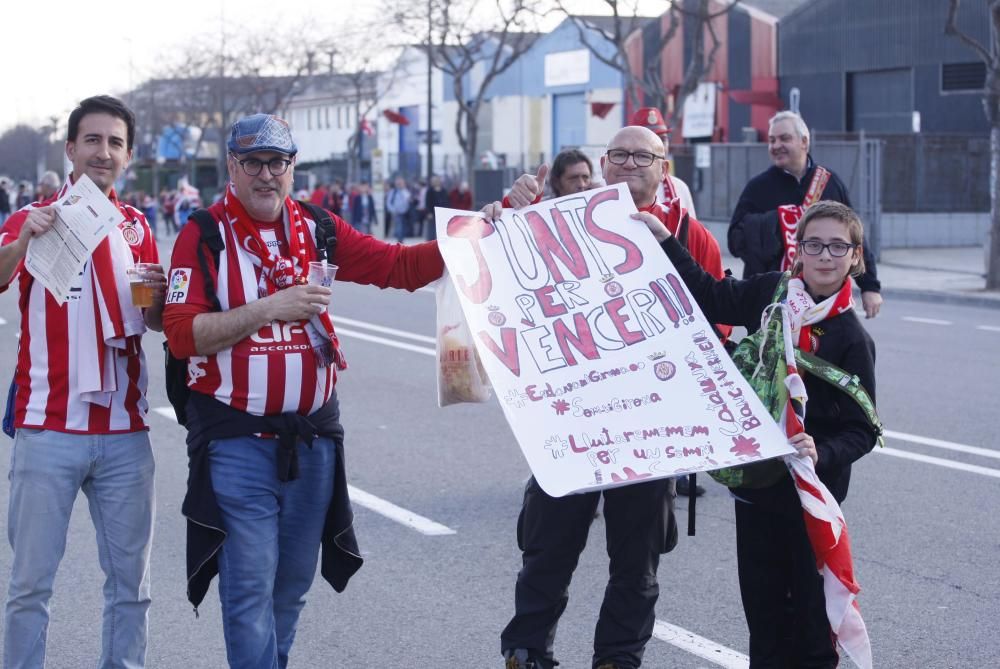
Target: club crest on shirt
177, 287
133, 233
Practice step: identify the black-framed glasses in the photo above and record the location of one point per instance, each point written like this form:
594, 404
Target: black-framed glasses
640, 158
811, 247
253, 166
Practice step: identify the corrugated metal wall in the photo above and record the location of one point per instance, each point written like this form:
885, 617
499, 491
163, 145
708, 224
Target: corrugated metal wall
825, 40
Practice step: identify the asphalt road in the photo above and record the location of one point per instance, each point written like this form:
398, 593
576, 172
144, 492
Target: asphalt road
925, 532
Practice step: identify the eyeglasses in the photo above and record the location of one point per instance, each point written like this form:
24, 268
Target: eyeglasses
252, 166
837, 249
640, 158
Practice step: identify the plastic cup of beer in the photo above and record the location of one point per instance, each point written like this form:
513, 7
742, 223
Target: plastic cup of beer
141, 285
321, 273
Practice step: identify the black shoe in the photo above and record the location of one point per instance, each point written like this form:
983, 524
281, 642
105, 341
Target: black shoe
685, 490
519, 658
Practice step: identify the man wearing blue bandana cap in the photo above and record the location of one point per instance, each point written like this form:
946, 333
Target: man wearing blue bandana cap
267, 489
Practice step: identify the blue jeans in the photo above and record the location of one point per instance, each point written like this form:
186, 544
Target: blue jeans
115, 472
273, 532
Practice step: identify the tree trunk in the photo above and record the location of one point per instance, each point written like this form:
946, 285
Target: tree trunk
993, 254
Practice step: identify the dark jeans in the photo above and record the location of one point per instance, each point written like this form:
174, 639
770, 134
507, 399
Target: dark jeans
552, 532
782, 591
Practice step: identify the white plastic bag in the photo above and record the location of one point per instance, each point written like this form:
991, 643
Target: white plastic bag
461, 377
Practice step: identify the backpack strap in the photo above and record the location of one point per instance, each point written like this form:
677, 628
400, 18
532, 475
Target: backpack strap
847, 383
326, 231
210, 237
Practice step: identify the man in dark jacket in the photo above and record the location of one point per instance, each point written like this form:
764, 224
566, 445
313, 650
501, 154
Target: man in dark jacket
773, 201
437, 196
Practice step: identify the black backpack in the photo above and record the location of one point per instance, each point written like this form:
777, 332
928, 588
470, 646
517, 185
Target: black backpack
177, 368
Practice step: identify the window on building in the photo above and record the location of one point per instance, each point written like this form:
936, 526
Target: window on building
963, 77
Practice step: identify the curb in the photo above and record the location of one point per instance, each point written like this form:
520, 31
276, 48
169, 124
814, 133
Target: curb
989, 300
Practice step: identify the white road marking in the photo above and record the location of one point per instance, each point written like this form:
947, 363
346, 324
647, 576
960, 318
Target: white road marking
700, 646
989, 328
166, 412
928, 321
398, 513
379, 328
941, 462
386, 342
939, 443
3, 321
370, 501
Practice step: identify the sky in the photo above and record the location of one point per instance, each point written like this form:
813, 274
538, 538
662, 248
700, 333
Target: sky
58, 52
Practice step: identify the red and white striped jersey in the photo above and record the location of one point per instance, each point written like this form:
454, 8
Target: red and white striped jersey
272, 371
48, 394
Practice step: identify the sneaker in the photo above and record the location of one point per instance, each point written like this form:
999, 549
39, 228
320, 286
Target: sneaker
684, 489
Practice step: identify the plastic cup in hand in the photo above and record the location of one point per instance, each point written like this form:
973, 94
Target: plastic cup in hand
321, 273
141, 285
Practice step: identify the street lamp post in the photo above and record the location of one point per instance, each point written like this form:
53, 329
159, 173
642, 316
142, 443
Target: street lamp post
430, 97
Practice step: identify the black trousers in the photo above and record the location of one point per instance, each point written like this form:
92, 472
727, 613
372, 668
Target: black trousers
552, 532
781, 589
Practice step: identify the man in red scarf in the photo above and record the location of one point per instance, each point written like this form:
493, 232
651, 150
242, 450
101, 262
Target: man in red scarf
71, 436
552, 532
762, 230
267, 486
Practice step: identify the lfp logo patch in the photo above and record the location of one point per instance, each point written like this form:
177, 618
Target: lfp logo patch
177, 287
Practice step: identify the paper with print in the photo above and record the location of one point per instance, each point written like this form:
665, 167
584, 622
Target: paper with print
84, 217
606, 369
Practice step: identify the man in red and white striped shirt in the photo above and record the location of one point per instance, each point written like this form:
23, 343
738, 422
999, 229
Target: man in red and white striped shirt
80, 406
267, 486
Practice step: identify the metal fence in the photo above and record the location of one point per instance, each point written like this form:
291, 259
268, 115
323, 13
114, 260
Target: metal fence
717, 187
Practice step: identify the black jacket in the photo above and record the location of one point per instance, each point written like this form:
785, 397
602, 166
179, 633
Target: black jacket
834, 420
754, 232
210, 419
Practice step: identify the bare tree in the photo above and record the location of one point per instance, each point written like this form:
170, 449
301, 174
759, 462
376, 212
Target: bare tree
472, 42
21, 149
698, 18
991, 106
369, 74
606, 36
209, 87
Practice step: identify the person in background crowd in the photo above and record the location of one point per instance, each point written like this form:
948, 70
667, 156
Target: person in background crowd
436, 196
363, 209
47, 186
460, 197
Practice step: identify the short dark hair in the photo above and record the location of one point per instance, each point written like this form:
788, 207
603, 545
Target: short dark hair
566, 159
102, 104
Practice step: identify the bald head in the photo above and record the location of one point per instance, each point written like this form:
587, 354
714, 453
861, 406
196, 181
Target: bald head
642, 169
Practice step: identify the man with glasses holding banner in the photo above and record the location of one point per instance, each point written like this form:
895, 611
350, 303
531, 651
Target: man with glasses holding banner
639, 518
267, 487
762, 230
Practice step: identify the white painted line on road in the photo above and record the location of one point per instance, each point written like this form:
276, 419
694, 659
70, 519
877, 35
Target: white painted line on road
700, 646
398, 513
928, 321
941, 462
988, 328
387, 342
3, 321
166, 412
379, 328
939, 443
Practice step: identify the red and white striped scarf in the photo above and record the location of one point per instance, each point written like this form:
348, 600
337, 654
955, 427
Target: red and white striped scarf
824, 519
789, 215
278, 273
106, 310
